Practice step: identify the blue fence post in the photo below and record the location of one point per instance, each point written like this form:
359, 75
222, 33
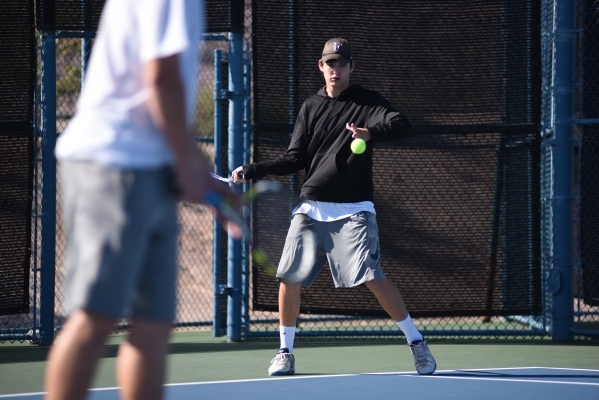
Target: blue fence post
217, 287
247, 133
236, 102
561, 276
48, 214
86, 50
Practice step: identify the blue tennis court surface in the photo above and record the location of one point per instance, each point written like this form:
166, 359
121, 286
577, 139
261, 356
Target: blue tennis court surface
490, 384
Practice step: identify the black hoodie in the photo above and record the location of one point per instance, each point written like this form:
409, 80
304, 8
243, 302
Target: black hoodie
321, 145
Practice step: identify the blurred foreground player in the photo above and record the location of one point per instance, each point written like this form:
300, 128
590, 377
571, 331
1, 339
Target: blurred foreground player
126, 158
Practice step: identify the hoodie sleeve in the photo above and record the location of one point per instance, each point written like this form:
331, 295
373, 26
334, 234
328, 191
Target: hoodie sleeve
385, 122
292, 161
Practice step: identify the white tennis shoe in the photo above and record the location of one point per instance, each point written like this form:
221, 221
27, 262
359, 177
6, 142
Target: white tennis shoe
282, 364
423, 359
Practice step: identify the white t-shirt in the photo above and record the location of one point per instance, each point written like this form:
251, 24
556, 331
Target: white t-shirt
112, 125
327, 212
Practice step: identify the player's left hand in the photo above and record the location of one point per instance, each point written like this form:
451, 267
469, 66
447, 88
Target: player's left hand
361, 133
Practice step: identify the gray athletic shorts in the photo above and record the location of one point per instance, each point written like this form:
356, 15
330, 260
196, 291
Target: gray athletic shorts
351, 245
122, 241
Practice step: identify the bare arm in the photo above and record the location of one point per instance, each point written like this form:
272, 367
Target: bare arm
167, 109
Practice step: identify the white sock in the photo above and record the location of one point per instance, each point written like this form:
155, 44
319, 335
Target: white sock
287, 334
409, 329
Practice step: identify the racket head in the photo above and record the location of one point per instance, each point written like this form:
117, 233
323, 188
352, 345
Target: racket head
261, 187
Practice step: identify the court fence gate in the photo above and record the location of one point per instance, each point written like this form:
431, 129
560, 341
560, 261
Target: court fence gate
551, 142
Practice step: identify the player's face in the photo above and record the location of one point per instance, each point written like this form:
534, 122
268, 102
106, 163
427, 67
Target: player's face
336, 73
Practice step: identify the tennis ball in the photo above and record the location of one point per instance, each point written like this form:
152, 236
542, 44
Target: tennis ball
358, 146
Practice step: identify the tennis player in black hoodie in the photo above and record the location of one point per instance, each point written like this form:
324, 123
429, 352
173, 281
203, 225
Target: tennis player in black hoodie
335, 218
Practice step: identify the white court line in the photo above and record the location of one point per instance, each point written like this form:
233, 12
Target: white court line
407, 374
205, 383
272, 378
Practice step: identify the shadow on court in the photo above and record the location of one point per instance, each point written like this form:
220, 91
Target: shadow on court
591, 375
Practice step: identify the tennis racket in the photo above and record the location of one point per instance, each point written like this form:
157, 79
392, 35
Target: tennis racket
260, 187
228, 180
229, 211
259, 257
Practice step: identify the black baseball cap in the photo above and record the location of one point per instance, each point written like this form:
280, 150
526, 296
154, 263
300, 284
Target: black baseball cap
337, 49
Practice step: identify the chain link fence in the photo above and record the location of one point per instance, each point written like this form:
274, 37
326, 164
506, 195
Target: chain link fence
194, 288
195, 291
264, 324
586, 114
585, 166
475, 114
195, 258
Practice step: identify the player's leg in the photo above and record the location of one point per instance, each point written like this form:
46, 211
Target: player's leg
289, 306
142, 360
389, 298
300, 263
355, 254
93, 200
289, 303
75, 353
111, 216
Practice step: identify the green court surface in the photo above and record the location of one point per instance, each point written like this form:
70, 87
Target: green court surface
198, 357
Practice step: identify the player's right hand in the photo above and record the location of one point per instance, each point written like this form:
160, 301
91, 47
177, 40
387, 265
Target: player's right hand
237, 176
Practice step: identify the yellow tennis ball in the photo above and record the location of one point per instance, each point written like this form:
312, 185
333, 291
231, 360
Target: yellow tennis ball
358, 146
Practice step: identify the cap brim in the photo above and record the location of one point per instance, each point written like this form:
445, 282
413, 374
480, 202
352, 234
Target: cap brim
334, 57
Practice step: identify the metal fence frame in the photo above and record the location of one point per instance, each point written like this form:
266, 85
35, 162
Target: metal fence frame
560, 243
562, 36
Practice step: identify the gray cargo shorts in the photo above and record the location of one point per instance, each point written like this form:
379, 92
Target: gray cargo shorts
122, 241
351, 246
